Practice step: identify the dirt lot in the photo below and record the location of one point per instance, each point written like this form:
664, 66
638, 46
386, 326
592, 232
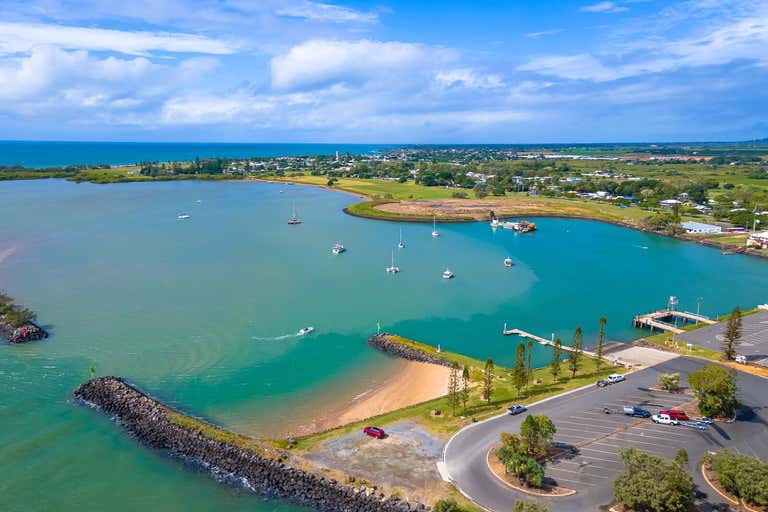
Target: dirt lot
406, 459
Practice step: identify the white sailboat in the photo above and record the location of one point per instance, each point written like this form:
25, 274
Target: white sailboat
435, 234
183, 216
401, 245
447, 274
507, 262
294, 219
338, 248
392, 269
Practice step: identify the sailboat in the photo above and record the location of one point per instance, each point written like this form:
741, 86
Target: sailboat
294, 219
401, 245
507, 262
338, 248
435, 234
392, 269
447, 274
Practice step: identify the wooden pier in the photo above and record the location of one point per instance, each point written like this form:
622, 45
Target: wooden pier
540, 340
655, 320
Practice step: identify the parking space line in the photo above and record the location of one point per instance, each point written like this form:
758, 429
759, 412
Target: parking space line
599, 451
585, 473
630, 433
662, 429
584, 466
574, 482
617, 461
630, 445
589, 425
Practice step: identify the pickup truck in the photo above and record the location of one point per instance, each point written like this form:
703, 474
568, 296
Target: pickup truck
637, 411
664, 419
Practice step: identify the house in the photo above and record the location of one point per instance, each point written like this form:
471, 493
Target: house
700, 227
669, 203
759, 239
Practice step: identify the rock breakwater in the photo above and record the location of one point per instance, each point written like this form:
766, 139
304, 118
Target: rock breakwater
24, 334
389, 344
264, 468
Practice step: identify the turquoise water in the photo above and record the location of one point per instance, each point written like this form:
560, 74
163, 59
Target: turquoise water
37, 154
202, 312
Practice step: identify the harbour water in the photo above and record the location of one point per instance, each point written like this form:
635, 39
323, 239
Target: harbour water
203, 313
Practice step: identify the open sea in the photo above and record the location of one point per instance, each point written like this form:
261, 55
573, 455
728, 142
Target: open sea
37, 154
203, 312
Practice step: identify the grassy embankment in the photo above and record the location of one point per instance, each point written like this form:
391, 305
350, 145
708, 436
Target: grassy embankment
123, 174
504, 395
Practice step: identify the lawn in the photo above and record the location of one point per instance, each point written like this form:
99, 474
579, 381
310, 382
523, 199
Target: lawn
375, 188
504, 394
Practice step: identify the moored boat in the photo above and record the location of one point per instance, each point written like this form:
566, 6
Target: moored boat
447, 274
338, 248
507, 262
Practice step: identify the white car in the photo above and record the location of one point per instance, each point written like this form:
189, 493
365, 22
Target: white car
614, 378
664, 419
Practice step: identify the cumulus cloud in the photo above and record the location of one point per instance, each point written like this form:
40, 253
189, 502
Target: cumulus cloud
25, 37
605, 7
318, 62
317, 11
466, 77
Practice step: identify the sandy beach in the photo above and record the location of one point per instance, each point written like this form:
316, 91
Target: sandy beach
410, 383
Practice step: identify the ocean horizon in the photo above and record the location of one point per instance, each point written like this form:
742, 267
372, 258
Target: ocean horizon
41, 154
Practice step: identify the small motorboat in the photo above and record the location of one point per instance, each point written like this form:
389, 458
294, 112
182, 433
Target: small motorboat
447, 274
401, 245
183, 216
435, 233
338, 248
507, 262
495, 223
199, 201
294, 220
306, 330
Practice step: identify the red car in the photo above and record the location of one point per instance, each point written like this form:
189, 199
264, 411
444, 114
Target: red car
376, 432
676, 414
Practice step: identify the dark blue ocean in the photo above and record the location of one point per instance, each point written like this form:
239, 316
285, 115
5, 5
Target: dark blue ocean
35, 154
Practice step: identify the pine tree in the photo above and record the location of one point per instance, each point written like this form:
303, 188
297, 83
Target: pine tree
453, 388
600, 341
488, 376
529, 376
465, 380
732, 336
574, 356
519, 371
557, 351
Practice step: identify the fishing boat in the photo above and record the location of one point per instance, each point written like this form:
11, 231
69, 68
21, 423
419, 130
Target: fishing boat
392, 269
294, 219
305, 330
447, 274
522, 226
401, 245
435, 234
183, 216
507, 262
338, 248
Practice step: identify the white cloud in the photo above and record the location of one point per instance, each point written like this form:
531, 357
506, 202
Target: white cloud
319, 61
745, 39
542, 33
466, 77
317, 11
25, 37
605, 7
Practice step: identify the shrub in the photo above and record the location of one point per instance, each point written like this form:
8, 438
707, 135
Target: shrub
715, 388
743, 476
653, 483
460, 195
669, 381
529, 506
447, 505
517, 463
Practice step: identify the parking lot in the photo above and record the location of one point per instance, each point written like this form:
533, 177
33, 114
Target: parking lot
597, 437
754, 340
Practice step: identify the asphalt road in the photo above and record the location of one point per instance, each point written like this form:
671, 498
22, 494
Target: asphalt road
581, 422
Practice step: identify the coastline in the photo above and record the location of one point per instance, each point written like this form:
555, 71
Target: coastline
409, 384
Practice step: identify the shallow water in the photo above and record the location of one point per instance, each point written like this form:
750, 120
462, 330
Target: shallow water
202, 313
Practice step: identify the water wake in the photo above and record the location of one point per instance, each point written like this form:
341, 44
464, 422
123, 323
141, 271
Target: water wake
275, 338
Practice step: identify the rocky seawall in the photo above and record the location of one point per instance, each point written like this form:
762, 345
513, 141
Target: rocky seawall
24, 334
264, 470
389, 345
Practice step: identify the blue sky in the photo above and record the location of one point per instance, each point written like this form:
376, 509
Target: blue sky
385, 71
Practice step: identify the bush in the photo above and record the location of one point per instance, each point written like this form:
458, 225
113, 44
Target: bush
715, 388
669, 381
653, 483
460, 195
447, 505
743, 476
517, 463
529, 506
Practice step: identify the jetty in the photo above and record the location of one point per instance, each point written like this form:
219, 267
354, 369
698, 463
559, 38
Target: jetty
540, 340
666, 320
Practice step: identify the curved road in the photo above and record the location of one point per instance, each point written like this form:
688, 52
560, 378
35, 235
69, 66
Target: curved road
465, 453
